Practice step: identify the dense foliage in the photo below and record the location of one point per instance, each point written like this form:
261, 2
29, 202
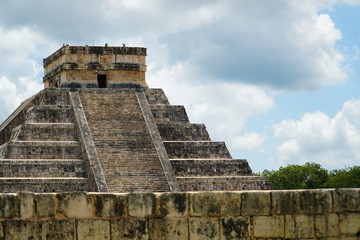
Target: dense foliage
311, 176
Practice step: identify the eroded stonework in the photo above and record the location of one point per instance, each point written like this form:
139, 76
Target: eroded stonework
110, 133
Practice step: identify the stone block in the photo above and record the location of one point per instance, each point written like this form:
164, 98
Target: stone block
45, 205
299, 226
203, 228
76, 205
315, 201
25, 205
269, 227
129, 229
327, 225
2, 230
173, 205
22, 230
197, 150
55, 229
235, 228
255, 203
349, 224
346, 200
141, 204
7, 205
93, 229
205, 204
174, 229
109, 205
230, 203
301, 201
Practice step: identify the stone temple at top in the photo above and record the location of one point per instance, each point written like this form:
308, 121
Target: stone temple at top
98, 127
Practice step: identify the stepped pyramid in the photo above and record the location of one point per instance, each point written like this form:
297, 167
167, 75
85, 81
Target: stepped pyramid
98, 127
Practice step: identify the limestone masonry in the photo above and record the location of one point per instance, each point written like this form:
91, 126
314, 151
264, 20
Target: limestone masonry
98, 127
304, 214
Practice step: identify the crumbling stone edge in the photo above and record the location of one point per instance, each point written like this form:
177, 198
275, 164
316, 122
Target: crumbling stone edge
297, 214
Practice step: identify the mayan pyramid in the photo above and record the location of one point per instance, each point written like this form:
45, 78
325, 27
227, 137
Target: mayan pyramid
98, 127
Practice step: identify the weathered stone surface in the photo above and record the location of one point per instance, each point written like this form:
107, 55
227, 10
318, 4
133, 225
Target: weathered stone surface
255, 203
45, 205
235, 228
7, 205
123, 143
93, 229
204, 228
327, 225
56, 229
349, 224
109, 205
183, 132
346, 200
156, 96
213, 167
197, 150
169, 113
301, 201
22, 230
74, 205
299, 226
198, 215
174, 229
2, 230
141, 205
129, 229
25, 205
230, 203
269, 227
205, 204
173, 205
223, 183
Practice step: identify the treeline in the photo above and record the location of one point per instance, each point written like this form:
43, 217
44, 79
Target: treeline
311, 176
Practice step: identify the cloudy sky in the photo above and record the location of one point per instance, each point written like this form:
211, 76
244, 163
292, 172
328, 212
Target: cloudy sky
277, 80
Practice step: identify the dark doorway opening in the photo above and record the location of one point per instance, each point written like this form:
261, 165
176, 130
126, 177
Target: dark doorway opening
101, 78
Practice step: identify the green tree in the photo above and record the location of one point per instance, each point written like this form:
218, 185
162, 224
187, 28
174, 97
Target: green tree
344, 178
308, 176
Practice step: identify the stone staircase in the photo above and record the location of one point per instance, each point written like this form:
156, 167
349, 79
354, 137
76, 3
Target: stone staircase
43, 153
124, 146
199, 163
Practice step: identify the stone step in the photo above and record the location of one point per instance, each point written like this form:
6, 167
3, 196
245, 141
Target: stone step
44, 131
169, 114
156, 96
55, 97
123, 142
213, 167
40, 150
223, 183
196, 150
50, 114
9, 185
183, 132
41, 168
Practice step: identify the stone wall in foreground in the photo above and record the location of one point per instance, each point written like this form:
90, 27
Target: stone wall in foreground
303, 214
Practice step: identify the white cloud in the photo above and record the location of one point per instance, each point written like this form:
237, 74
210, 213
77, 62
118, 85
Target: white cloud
316, 137
11, 95
282, 44
352, 2
19, 71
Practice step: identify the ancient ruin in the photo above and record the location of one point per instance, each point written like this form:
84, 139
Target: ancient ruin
98, 127
98, 154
